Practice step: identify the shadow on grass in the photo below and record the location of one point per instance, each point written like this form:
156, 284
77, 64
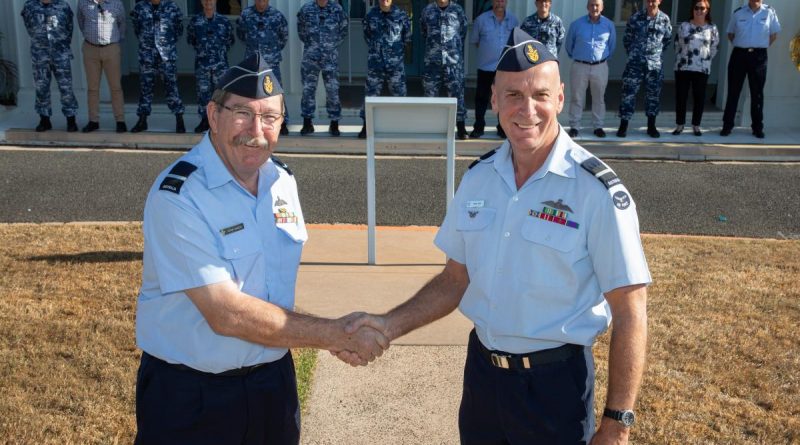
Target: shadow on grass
90, 257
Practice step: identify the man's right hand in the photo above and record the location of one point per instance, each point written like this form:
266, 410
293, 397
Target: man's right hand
363, 339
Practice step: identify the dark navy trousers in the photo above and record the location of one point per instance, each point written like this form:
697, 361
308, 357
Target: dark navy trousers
182, 406
547, 404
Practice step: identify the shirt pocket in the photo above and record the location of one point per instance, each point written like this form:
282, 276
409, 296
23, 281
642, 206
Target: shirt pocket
243, 251
550, 254
474, 219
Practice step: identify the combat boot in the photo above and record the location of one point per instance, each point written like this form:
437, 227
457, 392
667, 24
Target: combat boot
179, 126
333, 129
308, 127
623, 128
461, 131
477, 130
44, 123
284, 129
202, 127
141, 124
651, 127
72, 126
363, 133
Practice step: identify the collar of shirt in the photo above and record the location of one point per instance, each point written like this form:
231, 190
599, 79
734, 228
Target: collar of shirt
558, 162
217, 173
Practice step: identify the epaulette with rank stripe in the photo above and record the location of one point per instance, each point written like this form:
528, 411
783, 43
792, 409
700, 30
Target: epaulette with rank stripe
601, 171
177, 176
281, 164
484, 157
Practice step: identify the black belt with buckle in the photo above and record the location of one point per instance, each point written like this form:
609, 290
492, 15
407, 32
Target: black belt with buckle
591, 63
238, 372
749, 50
505, 360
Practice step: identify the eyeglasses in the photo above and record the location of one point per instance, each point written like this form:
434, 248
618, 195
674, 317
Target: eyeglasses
243, 116
700, 8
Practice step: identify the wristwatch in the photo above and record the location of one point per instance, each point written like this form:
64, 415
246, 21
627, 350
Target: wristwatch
625, 417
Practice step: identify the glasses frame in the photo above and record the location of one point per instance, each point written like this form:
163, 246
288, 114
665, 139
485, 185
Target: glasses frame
253, 115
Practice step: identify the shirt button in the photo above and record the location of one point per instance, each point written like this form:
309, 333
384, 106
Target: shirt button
515, 198
236, 250
507, 234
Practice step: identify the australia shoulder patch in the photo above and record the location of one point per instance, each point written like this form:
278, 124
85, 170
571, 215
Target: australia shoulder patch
177, 176
601, 171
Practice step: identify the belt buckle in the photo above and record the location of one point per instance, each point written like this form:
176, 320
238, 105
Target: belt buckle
500, 361
750, 50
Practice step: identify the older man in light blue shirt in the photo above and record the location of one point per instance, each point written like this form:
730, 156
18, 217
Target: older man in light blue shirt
489, 34
590, 42
752, 29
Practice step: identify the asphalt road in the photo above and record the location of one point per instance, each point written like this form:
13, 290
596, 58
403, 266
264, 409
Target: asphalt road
728, 199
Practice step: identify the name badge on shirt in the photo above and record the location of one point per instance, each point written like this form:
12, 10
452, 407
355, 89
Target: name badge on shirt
232, 229
475, 204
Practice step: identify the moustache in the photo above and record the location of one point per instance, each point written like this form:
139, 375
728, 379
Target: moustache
251, 141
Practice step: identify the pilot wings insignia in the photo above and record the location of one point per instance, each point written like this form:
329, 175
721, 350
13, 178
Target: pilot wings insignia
558, 205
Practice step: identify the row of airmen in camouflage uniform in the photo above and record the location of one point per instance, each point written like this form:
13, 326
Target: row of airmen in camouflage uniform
322, 26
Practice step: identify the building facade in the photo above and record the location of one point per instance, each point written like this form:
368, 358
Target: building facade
782, 92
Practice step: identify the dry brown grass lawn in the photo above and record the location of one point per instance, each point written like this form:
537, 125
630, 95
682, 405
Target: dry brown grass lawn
724, 342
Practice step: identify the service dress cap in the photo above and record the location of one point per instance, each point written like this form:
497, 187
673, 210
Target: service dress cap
251, 78
523, 52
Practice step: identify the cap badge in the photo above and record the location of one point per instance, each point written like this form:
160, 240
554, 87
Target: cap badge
531, 53
267, 84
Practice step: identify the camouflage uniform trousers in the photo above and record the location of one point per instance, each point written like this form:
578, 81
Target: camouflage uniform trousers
309, 71
61, 69
631, 80
150, 64
207, 75
451, 77
394, 78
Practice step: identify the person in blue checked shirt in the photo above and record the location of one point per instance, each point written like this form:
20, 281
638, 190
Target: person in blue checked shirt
264, 30
158, 24
752, 29
444, 27
647, 34
322, 26
387, 30
545, 26
223, 234
49, 25
591, 40
211, 35
544, 253
489, 34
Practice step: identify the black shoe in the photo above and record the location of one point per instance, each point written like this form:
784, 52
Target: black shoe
759, 134
651, 127
363, 133
477, 131
203, 126
696, 130
72, 126
623, 128
90, 127
678, 130
141, 124
284, 129
333, 128
725, 131
461, 131
599, 132
180, 128
500, 132
44, 124
573, 132
121, 127
308, 127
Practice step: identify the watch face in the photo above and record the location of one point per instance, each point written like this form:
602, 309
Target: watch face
627, 418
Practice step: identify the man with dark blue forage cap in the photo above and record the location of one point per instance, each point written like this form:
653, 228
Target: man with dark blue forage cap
543, 247
223, 234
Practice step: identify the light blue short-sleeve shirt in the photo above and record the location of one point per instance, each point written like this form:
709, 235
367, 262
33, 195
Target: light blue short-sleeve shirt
212, 231
540, 258
752, 30
491, 35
